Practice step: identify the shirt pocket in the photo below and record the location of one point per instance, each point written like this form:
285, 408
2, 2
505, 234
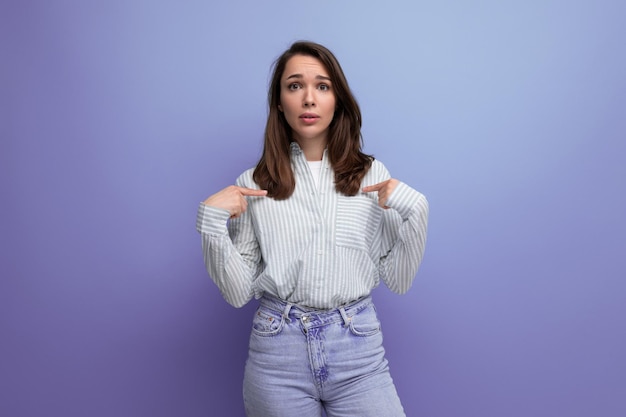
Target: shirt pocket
357, 222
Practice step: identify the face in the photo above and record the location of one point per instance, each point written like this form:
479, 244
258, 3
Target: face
307, 99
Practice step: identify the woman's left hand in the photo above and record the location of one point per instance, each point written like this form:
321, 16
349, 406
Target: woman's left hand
384, 190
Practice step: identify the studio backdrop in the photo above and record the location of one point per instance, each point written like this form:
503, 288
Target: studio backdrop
119, 117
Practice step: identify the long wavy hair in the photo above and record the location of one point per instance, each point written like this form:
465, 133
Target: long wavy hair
273, 171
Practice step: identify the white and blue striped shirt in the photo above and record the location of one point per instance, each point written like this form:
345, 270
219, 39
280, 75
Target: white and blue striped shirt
318, 248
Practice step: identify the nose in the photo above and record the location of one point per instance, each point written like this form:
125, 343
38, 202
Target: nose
309, 99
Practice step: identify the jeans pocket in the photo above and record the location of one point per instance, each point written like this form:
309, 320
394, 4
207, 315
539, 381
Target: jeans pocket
267, 322
365, 322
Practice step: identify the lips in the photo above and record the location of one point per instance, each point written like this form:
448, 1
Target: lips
309, 117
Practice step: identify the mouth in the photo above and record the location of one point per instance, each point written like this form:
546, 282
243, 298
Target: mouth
309, 117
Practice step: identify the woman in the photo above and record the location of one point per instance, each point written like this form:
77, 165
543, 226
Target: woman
310, 231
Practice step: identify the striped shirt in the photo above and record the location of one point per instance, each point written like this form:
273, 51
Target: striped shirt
318, 248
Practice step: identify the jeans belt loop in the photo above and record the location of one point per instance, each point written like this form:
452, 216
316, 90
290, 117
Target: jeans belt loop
286, 312
344, 316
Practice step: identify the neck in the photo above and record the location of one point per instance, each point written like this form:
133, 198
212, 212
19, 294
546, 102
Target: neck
313, 151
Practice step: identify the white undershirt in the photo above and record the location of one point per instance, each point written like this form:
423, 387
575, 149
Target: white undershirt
316, 167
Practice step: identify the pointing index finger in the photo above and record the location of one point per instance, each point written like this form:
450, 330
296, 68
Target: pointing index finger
374, 187
252, 192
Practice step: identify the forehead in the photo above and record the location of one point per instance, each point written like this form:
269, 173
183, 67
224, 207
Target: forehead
304, 65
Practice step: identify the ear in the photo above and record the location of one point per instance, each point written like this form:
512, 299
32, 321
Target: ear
280, 108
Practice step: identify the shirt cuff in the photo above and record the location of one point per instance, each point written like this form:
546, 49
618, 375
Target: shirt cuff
404, 199
212, 220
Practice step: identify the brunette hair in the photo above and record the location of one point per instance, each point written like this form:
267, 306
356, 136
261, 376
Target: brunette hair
273, 171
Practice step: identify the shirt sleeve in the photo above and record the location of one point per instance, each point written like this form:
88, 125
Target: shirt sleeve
404, 228
231, 252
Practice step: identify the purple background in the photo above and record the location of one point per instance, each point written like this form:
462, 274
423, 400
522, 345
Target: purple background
119, 117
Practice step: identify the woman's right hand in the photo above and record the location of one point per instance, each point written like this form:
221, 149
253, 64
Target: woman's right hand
233, 199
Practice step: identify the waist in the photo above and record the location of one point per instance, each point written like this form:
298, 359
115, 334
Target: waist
289, 310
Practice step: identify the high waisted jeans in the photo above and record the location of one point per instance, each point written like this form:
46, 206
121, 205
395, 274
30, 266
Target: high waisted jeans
301, 360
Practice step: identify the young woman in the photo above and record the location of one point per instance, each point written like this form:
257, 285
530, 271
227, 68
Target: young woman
310, 231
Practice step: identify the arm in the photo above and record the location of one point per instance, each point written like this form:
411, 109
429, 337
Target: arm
403, 237
231, 252
403, 232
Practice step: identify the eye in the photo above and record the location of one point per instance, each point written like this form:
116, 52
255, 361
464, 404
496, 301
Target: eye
324, 87
294, 86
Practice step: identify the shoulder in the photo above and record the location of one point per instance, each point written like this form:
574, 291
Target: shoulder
378, 172
245, 179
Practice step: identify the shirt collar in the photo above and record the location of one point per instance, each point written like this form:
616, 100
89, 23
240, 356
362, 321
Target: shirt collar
295, 148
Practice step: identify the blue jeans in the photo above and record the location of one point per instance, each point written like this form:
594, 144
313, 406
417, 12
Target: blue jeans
303, 360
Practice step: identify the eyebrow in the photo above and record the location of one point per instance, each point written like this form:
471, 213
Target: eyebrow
317, 77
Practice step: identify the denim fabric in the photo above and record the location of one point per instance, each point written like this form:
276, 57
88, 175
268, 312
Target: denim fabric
301, 360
